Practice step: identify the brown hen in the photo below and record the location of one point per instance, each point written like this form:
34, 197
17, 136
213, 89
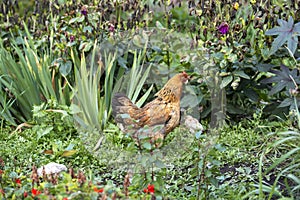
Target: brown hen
157, 118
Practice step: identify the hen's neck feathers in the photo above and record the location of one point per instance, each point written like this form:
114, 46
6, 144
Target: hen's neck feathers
172, 89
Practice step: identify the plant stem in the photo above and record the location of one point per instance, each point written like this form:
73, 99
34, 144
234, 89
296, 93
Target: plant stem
297, 110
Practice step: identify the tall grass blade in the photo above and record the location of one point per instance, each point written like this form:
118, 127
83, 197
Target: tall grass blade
95, 109
282, 158
28, 78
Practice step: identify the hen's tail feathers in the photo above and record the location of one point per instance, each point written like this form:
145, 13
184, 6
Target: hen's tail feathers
123, 110
121, 104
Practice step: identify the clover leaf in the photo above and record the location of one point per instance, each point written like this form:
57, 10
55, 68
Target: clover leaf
288, 32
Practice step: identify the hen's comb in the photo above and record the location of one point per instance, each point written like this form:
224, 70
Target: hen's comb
185, 75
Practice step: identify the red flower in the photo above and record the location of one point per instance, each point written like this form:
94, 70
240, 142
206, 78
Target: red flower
100, 190
1, 171
18, 181
150, 189
35, 192
65, 198
2, 191
25, 194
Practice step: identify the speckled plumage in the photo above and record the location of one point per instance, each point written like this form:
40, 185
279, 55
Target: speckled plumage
158, 117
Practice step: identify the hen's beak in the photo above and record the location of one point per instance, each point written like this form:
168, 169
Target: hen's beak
187, 80
186, 77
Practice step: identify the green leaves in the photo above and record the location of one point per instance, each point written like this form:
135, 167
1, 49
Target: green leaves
147, 145
76, 19
29, 80
136, 79
65, 67
94, 109
44, 131
288, 32
225, 81
285, 141
283, 78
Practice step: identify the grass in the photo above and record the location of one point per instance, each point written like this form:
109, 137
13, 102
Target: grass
236, 165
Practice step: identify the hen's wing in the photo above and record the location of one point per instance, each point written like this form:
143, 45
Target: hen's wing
157, 118
155, 112
154, 120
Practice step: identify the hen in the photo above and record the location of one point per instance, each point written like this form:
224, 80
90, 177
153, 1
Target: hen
157, 118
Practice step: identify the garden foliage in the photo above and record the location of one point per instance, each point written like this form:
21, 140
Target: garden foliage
70, 57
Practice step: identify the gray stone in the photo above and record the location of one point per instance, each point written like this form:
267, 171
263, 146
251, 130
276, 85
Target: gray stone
192, 124
52, 168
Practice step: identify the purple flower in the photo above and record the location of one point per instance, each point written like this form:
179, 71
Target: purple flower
223, 28
111, 28
72, 38
84, 10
